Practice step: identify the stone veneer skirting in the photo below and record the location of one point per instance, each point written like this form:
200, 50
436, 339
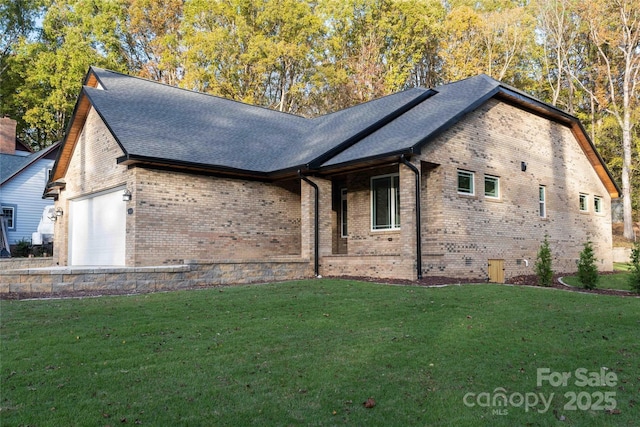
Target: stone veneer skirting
26, 263
192, 274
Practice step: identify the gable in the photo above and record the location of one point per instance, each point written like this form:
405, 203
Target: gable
13, 165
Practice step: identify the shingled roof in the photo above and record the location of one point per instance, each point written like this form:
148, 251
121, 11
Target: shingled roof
12, 165
159, 124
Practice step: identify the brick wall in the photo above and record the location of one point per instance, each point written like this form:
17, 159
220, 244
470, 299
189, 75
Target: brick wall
182, 216
178, 216
462, 232
373, 253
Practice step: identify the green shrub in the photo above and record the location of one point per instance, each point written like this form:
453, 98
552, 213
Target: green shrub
543, 266
634, 279
587, 269
21, 249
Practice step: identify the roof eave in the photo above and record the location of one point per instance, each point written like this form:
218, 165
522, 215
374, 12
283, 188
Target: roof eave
74, 127
369, 161
177, 165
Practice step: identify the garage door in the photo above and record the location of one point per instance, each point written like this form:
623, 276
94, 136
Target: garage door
97, 229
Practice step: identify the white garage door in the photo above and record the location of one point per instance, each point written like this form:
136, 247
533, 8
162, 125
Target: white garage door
98, 229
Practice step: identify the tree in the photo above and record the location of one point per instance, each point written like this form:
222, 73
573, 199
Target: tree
376, 48
543, 265
17, 25
74, 36
587, 269
260, 52
634, 279
17, 21
558, 34
614, 28
152, 39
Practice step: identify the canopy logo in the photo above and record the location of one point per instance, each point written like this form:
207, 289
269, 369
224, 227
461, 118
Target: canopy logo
500, 400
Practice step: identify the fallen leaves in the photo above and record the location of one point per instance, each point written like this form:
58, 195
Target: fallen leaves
369, 403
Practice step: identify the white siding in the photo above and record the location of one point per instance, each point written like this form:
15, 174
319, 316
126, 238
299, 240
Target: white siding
25, 191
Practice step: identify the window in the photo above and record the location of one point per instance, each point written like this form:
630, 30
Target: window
492, 186
542, 197
597, 204
583, 203
385, 202
465, 182
9, 215
343, 212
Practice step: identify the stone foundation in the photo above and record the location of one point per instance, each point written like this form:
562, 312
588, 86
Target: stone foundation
67, 280
26, 263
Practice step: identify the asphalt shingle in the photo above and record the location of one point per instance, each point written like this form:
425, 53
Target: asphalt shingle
155, 121
426, 120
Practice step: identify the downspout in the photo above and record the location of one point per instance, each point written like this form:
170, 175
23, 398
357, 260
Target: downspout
316, 243
415, 170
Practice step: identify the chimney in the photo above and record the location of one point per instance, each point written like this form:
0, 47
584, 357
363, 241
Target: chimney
7, 135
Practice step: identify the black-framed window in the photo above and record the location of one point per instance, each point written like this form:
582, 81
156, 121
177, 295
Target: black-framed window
385, 202
343, 213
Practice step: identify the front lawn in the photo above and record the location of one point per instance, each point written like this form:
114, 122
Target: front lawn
619, 281
312, 352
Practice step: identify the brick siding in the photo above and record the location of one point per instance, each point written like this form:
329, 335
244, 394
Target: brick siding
461, 233
183, 216
179, 216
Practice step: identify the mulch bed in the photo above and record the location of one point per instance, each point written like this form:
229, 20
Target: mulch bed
529, 280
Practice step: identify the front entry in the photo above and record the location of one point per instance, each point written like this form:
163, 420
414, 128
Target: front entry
496, 270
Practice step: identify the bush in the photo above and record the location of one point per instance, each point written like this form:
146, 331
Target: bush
587, 269
543, 264
21, 249
634, 279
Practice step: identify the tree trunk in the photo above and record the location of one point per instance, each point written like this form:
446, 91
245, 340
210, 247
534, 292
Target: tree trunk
627, 213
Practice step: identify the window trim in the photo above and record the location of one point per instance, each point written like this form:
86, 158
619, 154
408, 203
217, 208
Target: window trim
542, 201
497, 186
14, 209
471, 175
584, 207
343, 213
394, 206
597, 204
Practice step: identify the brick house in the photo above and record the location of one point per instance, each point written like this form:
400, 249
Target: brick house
463, 180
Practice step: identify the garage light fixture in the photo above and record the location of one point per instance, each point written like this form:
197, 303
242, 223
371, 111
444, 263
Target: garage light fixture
56, 214
126, 196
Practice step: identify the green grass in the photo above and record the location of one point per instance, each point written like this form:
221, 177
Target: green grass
311, 352
622, 266
619, 281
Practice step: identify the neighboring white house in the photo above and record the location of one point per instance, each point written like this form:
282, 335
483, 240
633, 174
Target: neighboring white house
23, 176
